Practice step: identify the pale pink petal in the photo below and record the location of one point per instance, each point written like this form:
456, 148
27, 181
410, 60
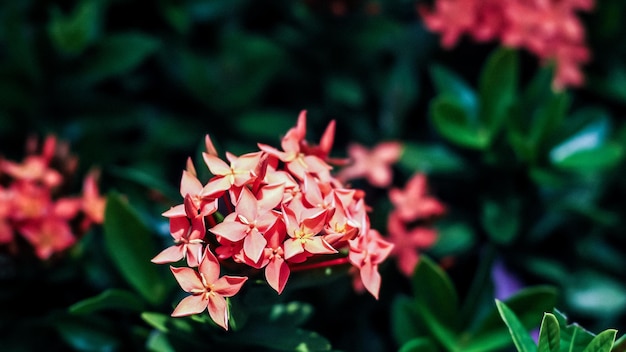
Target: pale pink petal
292, 248
371, 279
209, 266
194, 254
247, 205
190, 305
176, 211
228, 286
217, 166
388, 152
272, 151
210, 148
317, 245
231, 230
215, 186
187, 278
218, 310
170, 254
270, 196
326, 142
189, 184
253, 245
179, 227
277, 273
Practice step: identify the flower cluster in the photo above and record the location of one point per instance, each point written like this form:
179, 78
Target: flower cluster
33, 205
275, 210
408, 223
549, 29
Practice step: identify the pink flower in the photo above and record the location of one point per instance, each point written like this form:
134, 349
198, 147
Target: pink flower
366, 252
373, 165
304, 230
49, 235
208, 290
412, 202
408, 243
549, 29
241, 170
188, 233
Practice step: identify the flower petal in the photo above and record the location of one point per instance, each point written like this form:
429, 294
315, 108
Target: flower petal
276, 273
209, 266
218, 310
169, 255
190, 305
228, 286
187, 278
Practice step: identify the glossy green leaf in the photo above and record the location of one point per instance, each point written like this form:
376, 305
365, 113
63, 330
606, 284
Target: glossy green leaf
433, 289
449, 83
418, 345
118, 54
454, 123
595, 294
528, 305
620, 344
436, 301
573, 336
587, 146
430, 159
500, 219
522, 340
115, 299
497, 88
549, 335
131, 246
603, 342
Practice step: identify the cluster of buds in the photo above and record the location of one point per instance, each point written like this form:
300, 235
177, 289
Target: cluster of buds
549, 29
273, 210
33, 203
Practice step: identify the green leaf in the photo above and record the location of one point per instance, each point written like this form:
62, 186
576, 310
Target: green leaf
497, 88
619, 345
528, 304
165, 323
603, 342
290, 314
405, 322
549, 335
131, 246
522, 340
118, 54
158, 342
586, 146
500, 219
435, 300
344, 90
72, 33
449, 83
109, 299
420, 344
595, 294
430, 159
89, 335
433, 289
573, 336
280, 338
454, 238
453, 122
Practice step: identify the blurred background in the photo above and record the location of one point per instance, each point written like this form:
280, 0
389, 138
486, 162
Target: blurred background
134, 87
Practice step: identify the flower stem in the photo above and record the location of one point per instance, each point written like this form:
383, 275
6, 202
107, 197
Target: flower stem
324, 264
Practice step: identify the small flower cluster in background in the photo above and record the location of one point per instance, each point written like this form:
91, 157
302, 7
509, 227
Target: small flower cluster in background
34, 203
276, 210
550, 29
408, 224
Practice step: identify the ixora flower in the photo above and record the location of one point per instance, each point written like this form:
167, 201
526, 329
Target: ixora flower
549, 29
208, 290
373, 165
33, 207
279, 211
